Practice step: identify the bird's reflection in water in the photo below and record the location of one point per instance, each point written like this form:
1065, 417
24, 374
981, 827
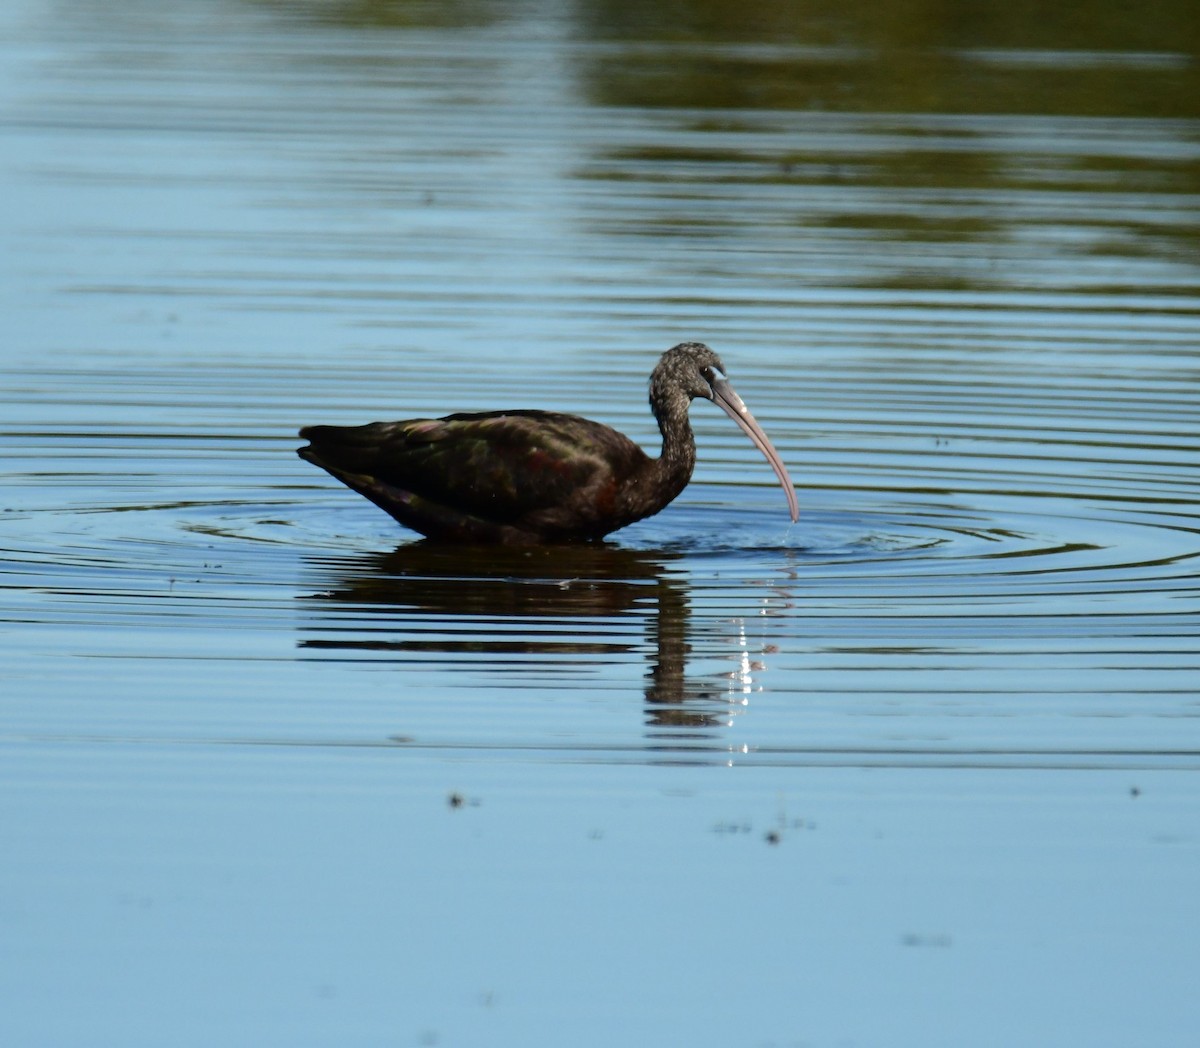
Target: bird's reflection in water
567, 603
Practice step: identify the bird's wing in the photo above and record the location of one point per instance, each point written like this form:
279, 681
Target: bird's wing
500, 466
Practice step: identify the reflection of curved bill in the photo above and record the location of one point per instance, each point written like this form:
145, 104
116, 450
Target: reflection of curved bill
557, 603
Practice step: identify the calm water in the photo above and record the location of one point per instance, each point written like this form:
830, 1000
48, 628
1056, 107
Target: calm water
921, 769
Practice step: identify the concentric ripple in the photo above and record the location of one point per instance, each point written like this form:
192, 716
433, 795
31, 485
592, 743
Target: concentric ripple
981, 552
878, 625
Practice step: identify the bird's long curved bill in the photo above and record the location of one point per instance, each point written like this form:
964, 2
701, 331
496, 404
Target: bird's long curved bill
728, 401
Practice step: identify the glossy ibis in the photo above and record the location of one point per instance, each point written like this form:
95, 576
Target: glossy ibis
530, 477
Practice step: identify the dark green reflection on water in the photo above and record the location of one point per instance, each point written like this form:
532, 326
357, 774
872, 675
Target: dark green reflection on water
390, 14
591, 604
1098, 58
1003, 146
1101, 58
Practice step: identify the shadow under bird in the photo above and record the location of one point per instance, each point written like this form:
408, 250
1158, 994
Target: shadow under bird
535, 477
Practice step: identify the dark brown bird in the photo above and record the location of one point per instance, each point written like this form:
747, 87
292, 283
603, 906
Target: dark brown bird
532, 477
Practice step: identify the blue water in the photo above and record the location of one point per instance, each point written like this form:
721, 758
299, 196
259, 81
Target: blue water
920, 769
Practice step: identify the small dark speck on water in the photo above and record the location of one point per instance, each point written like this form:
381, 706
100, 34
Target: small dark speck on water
732, 827
1134, 792
456, 800
937, 941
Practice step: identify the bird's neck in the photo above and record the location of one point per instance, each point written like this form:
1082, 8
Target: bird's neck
674, 466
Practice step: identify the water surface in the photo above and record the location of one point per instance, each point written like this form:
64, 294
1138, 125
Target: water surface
919, 769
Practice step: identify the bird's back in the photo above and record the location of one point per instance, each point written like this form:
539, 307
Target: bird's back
496, 476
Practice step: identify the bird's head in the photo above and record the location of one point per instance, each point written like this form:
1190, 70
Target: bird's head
692, 370
688, 370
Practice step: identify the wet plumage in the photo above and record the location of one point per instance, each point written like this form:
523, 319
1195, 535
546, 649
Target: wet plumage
528, 477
